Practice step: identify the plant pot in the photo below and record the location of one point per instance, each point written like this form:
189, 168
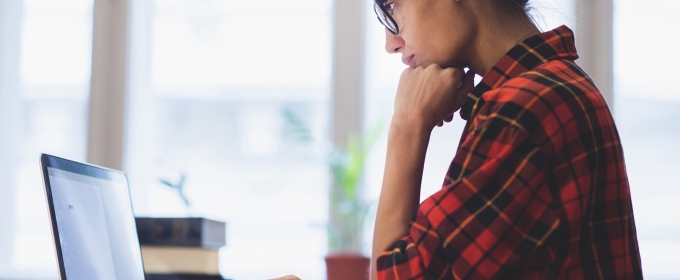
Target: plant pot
347, 266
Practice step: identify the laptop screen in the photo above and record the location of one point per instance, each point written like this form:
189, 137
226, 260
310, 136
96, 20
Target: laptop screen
95, 228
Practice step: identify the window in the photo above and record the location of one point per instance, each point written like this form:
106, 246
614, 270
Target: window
222, 80
248, 139
647, 107
44, 98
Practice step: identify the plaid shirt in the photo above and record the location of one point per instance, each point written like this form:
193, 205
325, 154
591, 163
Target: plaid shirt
538, 187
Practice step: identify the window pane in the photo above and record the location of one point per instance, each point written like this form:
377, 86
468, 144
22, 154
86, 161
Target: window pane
647, 107
221, 82
49, 107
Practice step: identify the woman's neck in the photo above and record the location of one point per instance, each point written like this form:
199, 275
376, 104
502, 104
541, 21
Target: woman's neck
497, 35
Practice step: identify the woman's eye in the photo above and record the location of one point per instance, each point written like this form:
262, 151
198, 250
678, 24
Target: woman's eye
389, 7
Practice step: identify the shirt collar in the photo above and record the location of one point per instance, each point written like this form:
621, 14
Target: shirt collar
554, 44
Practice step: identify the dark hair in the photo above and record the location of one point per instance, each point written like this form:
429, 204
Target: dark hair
515, 7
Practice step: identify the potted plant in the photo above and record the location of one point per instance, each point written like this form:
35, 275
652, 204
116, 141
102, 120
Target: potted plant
347, 206
348, 209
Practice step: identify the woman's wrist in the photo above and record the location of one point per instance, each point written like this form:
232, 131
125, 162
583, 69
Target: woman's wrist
411, 126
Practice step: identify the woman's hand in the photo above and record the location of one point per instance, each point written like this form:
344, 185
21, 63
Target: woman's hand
287, 277
429, 96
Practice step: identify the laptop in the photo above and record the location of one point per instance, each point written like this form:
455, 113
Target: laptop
93, 225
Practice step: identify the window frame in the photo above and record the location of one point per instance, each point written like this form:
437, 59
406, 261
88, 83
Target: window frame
11, 15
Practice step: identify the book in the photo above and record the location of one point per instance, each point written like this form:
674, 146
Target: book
180, 260
189, 232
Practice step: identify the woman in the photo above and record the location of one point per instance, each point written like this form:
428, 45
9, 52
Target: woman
537, 188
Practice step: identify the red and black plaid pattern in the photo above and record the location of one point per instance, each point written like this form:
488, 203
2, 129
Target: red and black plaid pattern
538, 187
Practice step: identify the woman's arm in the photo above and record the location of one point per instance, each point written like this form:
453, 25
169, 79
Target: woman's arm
426, 96
400, 194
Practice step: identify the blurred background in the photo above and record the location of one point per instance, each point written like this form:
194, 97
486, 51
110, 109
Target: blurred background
216, 91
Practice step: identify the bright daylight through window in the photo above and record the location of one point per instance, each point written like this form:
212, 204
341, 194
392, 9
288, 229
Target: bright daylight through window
231, 101
237, 114
45, 54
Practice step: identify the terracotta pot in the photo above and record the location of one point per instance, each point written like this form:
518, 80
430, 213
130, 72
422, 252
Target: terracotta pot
347, 266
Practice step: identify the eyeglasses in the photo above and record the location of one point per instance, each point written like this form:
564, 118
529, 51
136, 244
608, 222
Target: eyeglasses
384, 13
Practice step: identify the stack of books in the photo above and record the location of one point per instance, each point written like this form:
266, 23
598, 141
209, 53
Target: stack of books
181, 248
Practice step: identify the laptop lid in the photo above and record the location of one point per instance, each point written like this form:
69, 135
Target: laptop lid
93, 225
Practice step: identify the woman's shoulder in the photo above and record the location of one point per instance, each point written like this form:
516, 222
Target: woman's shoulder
551, 77
555, 90
547, 87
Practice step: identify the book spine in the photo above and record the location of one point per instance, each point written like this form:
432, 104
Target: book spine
190, 232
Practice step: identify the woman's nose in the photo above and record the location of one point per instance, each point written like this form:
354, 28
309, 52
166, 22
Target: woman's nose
393, 43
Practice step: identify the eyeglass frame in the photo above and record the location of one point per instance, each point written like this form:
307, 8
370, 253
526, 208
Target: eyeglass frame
380, 5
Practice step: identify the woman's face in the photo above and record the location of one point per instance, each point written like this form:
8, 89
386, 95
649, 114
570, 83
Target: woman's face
432, 31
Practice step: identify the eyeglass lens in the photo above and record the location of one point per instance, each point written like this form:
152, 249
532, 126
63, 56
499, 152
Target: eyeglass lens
384, 19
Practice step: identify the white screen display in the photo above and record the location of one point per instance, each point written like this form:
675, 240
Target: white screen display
96, 227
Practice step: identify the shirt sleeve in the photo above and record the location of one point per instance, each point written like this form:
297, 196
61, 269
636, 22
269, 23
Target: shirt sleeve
494, 209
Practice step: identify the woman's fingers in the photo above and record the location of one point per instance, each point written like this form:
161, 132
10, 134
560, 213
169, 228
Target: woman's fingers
428, 96
447, 119
287, 277
466, 86
468, 83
